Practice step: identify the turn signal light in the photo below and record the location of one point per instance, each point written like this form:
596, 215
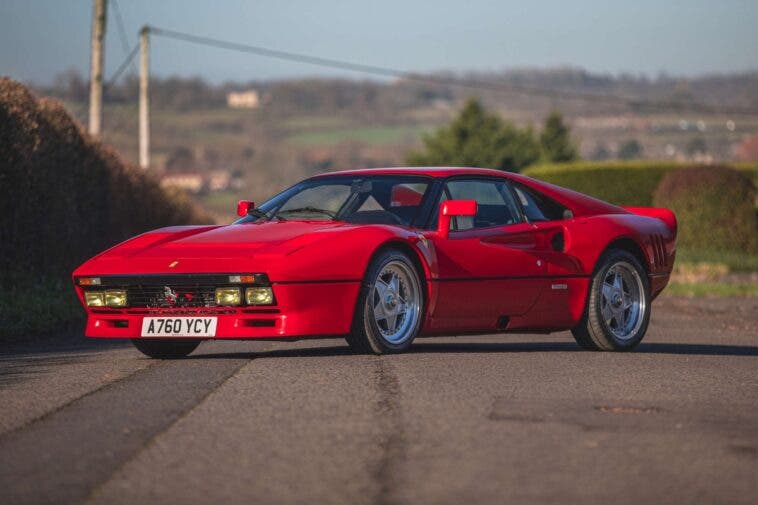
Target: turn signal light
259, 296
228, 296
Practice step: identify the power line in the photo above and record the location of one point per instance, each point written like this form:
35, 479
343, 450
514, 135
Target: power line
122, 31
430, 79
129, 59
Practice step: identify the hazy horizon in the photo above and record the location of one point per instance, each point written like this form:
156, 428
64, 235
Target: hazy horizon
40, 39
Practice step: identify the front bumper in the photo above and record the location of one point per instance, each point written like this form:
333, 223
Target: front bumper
302, 310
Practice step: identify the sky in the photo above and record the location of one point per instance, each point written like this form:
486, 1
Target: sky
42, 38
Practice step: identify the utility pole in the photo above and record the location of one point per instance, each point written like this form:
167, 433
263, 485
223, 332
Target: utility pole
144, 106
96, 67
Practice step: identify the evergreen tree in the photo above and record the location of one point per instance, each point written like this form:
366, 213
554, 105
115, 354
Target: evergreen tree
555, 140
476, 138
630, 150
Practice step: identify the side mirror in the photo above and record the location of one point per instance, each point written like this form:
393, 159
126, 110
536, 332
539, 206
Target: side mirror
244, 207
450, 209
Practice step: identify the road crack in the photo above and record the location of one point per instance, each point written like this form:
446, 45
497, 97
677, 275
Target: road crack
392, 438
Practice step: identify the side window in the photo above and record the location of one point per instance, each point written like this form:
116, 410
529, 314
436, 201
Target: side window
496, 206
538, 207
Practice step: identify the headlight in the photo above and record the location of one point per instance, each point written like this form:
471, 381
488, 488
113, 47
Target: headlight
228, 296
94, 298
115, 298
259, 296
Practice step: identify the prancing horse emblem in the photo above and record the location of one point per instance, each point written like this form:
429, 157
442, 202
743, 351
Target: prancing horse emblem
170, 294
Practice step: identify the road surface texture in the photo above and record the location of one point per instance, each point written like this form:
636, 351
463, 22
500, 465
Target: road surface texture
492, 419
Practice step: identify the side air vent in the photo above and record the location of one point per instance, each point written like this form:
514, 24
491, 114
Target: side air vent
558, 242
659, 251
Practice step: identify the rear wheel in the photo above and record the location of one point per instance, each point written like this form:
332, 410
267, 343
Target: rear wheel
165, 348
390, 305
618, 306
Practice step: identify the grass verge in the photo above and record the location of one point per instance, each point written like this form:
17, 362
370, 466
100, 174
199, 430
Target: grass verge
713, 289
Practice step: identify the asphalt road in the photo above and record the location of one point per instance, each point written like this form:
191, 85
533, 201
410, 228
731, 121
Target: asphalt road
495, 419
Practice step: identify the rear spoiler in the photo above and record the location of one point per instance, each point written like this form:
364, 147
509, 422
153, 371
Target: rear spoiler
665, 215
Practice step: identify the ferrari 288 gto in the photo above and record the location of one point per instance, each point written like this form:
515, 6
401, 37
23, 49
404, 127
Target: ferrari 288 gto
384, 256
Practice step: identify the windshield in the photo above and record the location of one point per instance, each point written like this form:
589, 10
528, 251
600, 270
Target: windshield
379, 199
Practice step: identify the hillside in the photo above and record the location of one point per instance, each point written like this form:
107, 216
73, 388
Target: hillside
63, 198
306, 126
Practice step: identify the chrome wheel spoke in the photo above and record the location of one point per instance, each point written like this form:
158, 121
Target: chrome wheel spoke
380, 288
394, 283
392, 322
617, 282
620, 319
607, 292
379, 313
607, 313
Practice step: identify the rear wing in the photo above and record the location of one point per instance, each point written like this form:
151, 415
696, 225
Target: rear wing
665, 215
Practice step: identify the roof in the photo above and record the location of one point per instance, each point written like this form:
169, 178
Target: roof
427, 171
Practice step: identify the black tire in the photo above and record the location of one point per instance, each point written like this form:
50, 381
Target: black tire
165, 348
595, 333
366, 336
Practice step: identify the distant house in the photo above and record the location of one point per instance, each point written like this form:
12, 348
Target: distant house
243, 99
191, 182
747, 150
219, 180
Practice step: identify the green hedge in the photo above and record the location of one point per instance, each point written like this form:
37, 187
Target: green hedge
715, 207
618, 182
63, 198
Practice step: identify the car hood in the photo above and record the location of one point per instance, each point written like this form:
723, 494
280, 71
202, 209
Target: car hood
287, 251
231, 248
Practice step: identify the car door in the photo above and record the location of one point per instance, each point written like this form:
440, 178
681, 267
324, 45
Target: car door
489, 267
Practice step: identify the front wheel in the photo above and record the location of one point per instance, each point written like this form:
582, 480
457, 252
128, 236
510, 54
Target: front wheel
159, 348
618, 305
390, 306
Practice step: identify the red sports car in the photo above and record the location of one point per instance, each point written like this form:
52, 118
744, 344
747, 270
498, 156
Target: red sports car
383, 256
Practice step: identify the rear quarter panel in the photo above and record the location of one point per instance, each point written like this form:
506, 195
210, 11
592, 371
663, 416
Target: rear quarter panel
589, 237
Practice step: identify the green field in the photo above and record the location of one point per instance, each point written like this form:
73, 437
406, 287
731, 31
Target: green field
383, 135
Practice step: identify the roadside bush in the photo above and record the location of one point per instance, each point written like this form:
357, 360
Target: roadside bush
63, 198
715, 208
618, 182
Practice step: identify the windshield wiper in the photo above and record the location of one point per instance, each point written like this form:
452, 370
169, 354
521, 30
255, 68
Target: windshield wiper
308, 210
256, 213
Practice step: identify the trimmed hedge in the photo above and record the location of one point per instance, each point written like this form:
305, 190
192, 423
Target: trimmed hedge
715, 208
618, 182
63, 198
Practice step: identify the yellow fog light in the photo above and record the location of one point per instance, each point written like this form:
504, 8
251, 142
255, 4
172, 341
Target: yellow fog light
259, 296
94, 298
228, 296
115, 298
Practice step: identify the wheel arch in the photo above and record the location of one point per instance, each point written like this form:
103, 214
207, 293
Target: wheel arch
629, 245
419, 262
413, 253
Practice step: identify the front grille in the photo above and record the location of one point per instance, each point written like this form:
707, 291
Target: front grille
183, 296
176, 292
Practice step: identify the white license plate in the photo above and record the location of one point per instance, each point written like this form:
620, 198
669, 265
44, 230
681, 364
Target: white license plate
179, 326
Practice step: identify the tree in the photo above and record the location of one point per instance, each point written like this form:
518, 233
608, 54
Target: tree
477, 138
696, 146
629, 150
601, 152
555, 140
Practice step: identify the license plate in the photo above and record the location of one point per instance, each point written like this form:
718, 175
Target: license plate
179, 326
